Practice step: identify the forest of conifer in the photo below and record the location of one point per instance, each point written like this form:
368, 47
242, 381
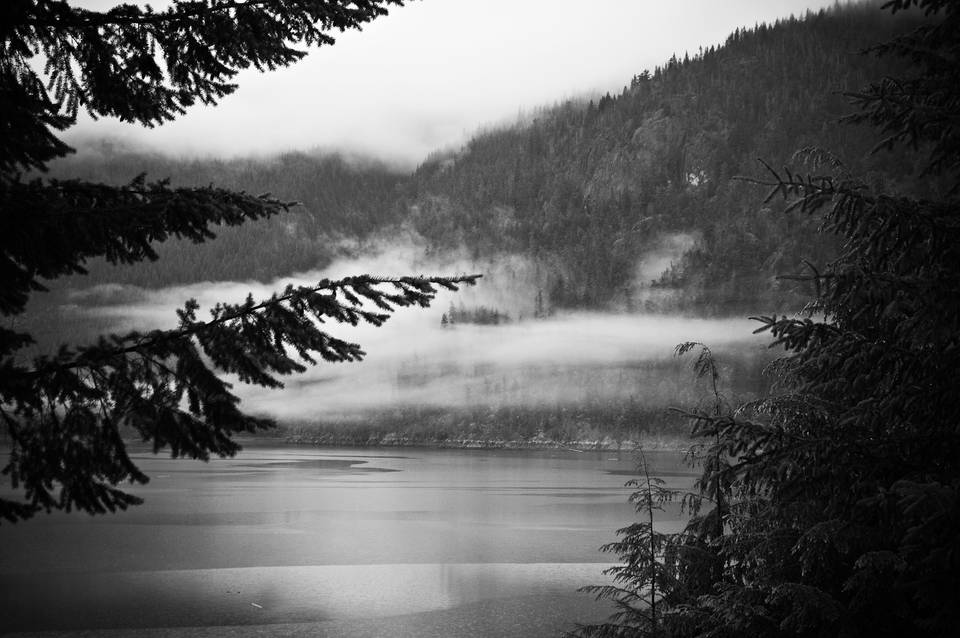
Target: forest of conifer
804, 172
584, 187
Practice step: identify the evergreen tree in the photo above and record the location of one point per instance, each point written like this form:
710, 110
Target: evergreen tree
64, 413
661, 572
843, 485
644, 578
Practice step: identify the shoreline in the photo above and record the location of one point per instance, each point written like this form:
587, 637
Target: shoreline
606, 444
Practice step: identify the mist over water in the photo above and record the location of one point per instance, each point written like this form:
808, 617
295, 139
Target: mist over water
416, 360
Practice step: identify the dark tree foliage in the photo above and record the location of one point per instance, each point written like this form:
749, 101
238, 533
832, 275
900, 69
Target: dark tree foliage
644, 580
660, 571
339, 198
64, 413
840, 508
584, 190
141, 65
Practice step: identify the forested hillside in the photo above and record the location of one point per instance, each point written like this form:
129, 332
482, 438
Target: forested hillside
341, 199
586, 189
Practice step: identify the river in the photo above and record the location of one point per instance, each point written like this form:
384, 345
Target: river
301, 541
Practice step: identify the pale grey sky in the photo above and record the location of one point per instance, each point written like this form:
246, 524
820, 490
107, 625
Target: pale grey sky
431, 73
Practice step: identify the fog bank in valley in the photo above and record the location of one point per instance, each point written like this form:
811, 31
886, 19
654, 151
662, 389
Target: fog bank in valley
416, 359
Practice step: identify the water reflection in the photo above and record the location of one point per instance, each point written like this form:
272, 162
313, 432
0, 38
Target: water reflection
334, 539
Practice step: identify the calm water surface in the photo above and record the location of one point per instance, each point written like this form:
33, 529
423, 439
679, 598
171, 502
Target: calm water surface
298, 541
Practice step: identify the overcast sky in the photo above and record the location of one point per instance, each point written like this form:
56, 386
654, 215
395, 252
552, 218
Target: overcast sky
431, 73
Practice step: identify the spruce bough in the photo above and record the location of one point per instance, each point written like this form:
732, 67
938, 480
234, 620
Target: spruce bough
831, 507
64, 413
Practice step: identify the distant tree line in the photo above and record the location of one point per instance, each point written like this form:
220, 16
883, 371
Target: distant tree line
340, 201
481, 315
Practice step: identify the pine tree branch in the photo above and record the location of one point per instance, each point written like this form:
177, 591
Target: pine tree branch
144, 66
159, 384
92, 357
61, 15
50, 228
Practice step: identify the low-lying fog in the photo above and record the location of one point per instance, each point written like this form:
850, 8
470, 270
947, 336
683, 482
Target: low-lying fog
414, 359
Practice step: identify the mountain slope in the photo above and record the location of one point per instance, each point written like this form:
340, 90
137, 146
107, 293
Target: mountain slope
589, 188
587, 191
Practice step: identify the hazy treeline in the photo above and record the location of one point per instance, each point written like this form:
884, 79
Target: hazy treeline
624, 425
602, 417
342, 200
603, 405
481, 315
584, 189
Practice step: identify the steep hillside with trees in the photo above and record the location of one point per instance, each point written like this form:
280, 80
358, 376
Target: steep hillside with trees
588, 187
585, 189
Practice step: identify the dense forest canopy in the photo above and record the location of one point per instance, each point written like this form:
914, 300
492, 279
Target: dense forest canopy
585, 188
830, 505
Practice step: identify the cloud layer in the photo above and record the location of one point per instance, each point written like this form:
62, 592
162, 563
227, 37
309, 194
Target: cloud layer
429, 74
414, 360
